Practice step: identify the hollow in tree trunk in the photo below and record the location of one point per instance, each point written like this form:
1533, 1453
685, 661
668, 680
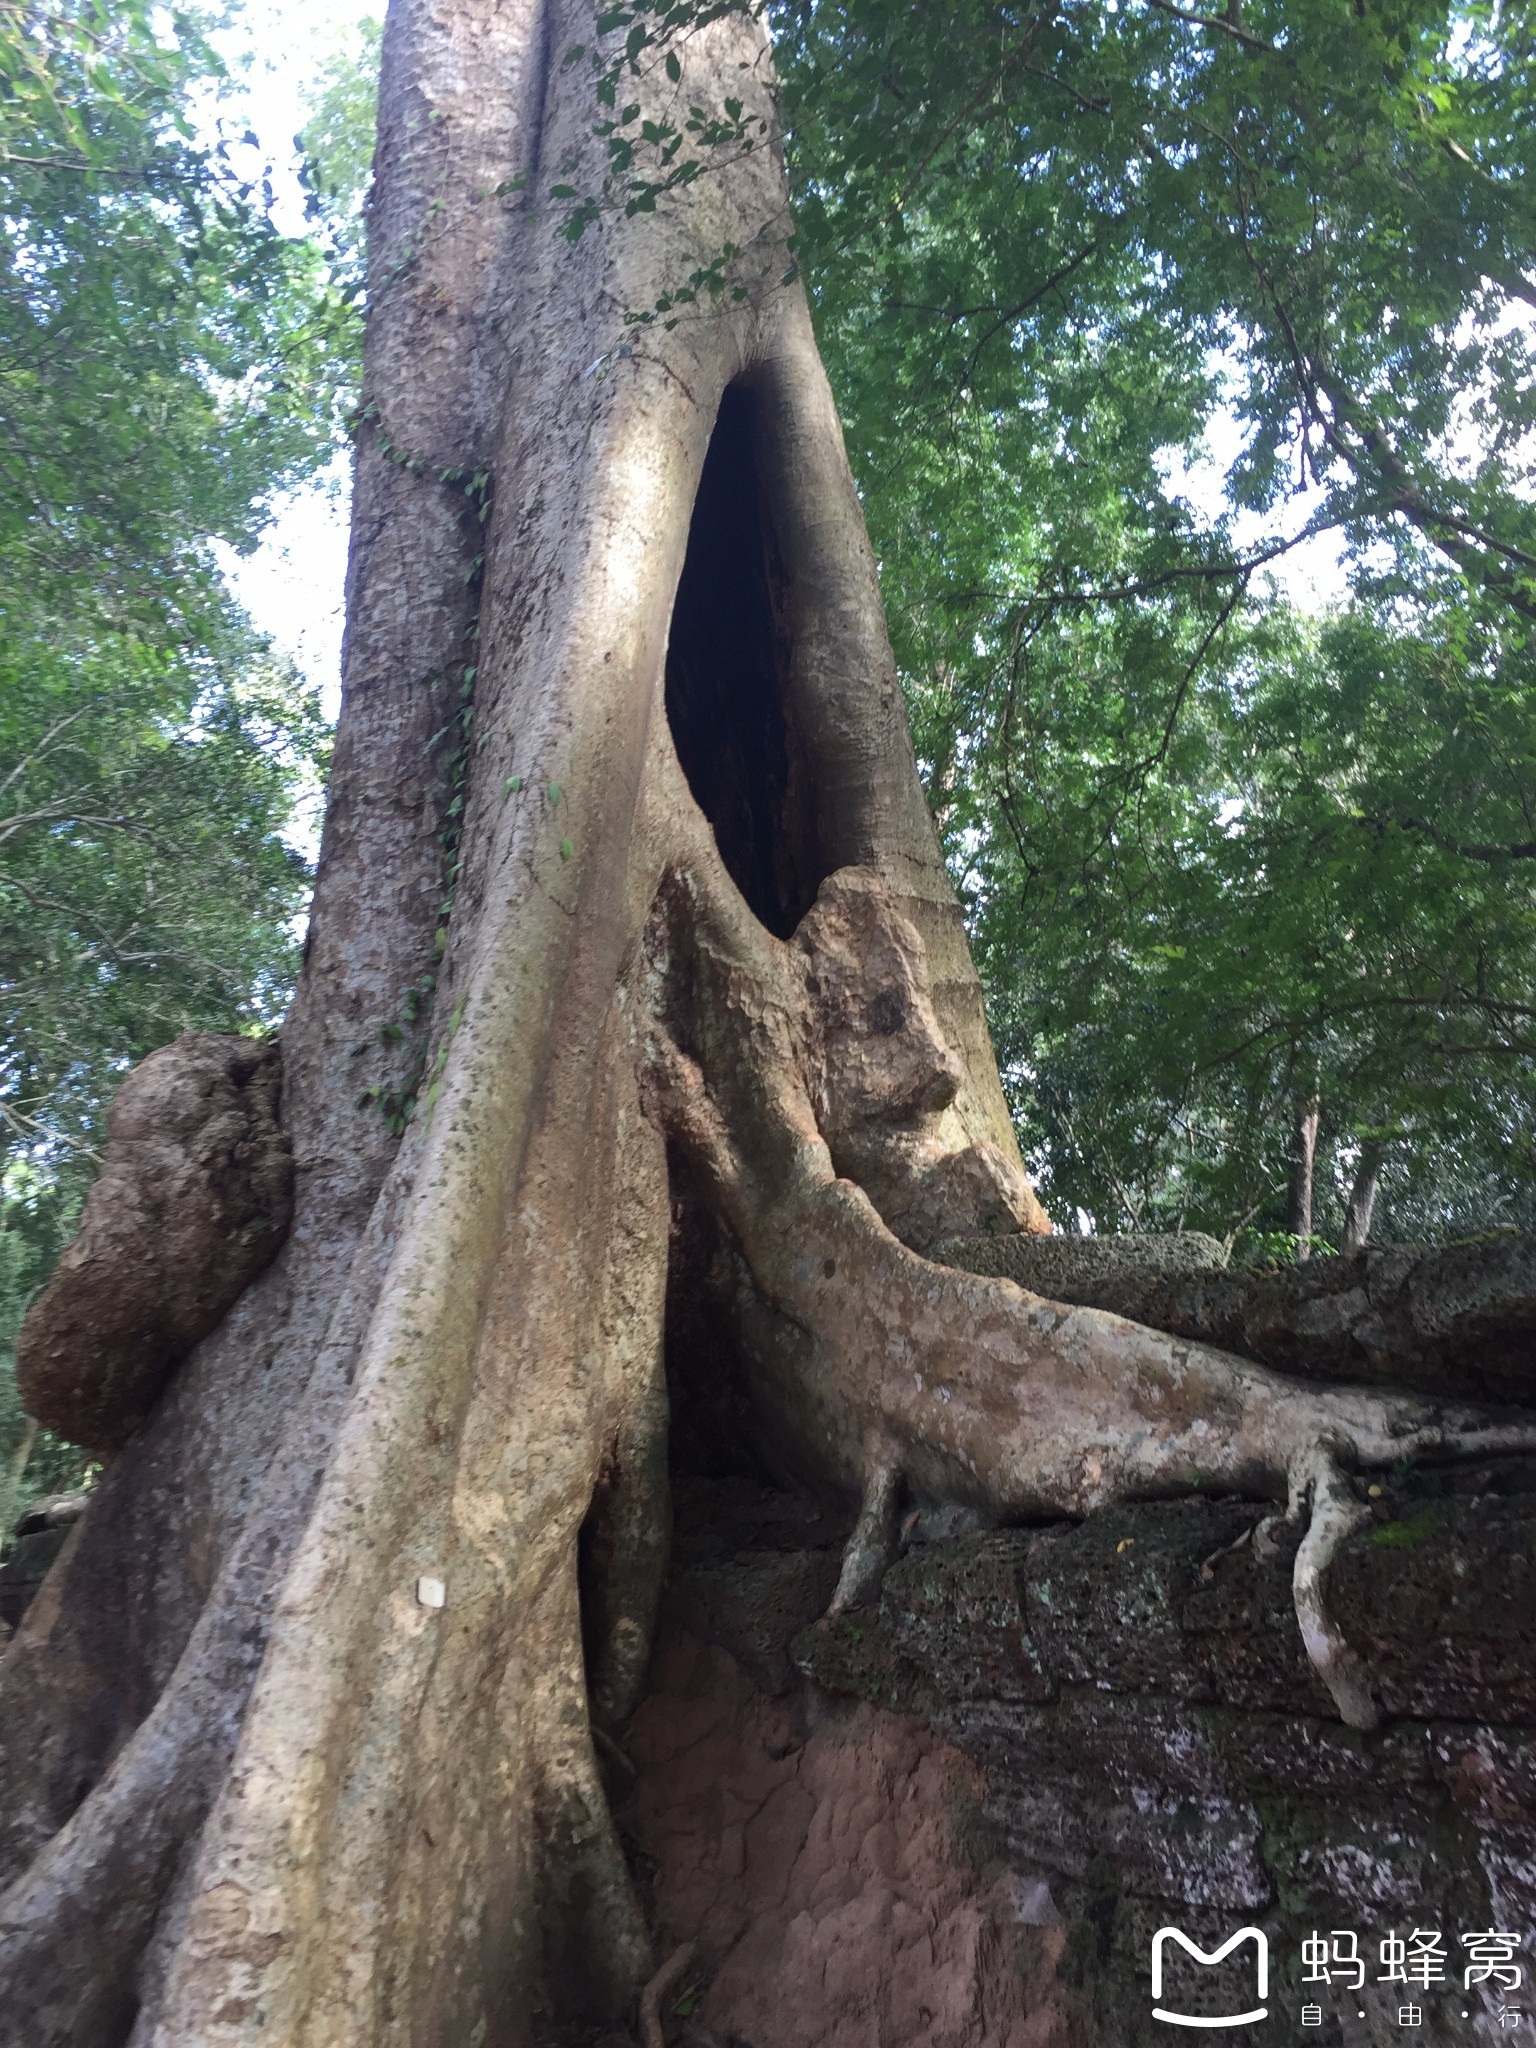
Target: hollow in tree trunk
632, 950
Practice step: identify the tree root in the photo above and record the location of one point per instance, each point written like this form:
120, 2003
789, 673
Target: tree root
871, 1548
886, 1376
1319, 1485
656, 1990
1208, 1565
613, 1751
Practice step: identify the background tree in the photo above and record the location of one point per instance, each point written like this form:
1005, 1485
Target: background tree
1297, 908
1197, 837
168, 363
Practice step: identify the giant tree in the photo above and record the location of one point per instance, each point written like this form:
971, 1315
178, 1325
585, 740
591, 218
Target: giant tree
633, 965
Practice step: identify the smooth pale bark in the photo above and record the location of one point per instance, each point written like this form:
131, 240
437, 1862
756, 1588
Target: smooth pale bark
299, 1733
140, 1652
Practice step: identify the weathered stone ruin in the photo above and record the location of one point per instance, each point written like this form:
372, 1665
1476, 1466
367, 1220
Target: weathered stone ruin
956, 1818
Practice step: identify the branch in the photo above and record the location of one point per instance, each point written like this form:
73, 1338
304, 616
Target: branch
66, 811
81, 166
1204, 572
977, 100
1523, 849
1225, 24
1512, 283
29, 1126
1295, 1028
657, 1989
1364, 445
1007, 317
1448, 531
44, 746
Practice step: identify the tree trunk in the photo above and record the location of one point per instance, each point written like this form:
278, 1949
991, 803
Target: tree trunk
10, 1487
1362, 1194
631, 918
1298, 1204
461, 1336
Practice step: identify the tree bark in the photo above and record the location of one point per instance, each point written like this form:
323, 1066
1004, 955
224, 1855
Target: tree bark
631, 918
21, 1457
1362, 1195
1456, 1320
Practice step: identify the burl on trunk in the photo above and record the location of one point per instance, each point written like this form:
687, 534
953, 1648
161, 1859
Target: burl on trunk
631, 932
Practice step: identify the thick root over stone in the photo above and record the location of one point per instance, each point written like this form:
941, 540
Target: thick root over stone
1332, 1512
895, 1380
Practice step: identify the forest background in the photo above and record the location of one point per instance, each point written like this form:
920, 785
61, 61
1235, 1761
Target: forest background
1124, 307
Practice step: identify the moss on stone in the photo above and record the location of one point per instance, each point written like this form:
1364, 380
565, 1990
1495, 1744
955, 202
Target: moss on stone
1407, 1535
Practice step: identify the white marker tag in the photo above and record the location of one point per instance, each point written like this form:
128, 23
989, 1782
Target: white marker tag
431, 1592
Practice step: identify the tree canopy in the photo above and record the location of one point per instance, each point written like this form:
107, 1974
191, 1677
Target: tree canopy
1215, 852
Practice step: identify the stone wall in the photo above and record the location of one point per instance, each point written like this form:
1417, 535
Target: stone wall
956, 1820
